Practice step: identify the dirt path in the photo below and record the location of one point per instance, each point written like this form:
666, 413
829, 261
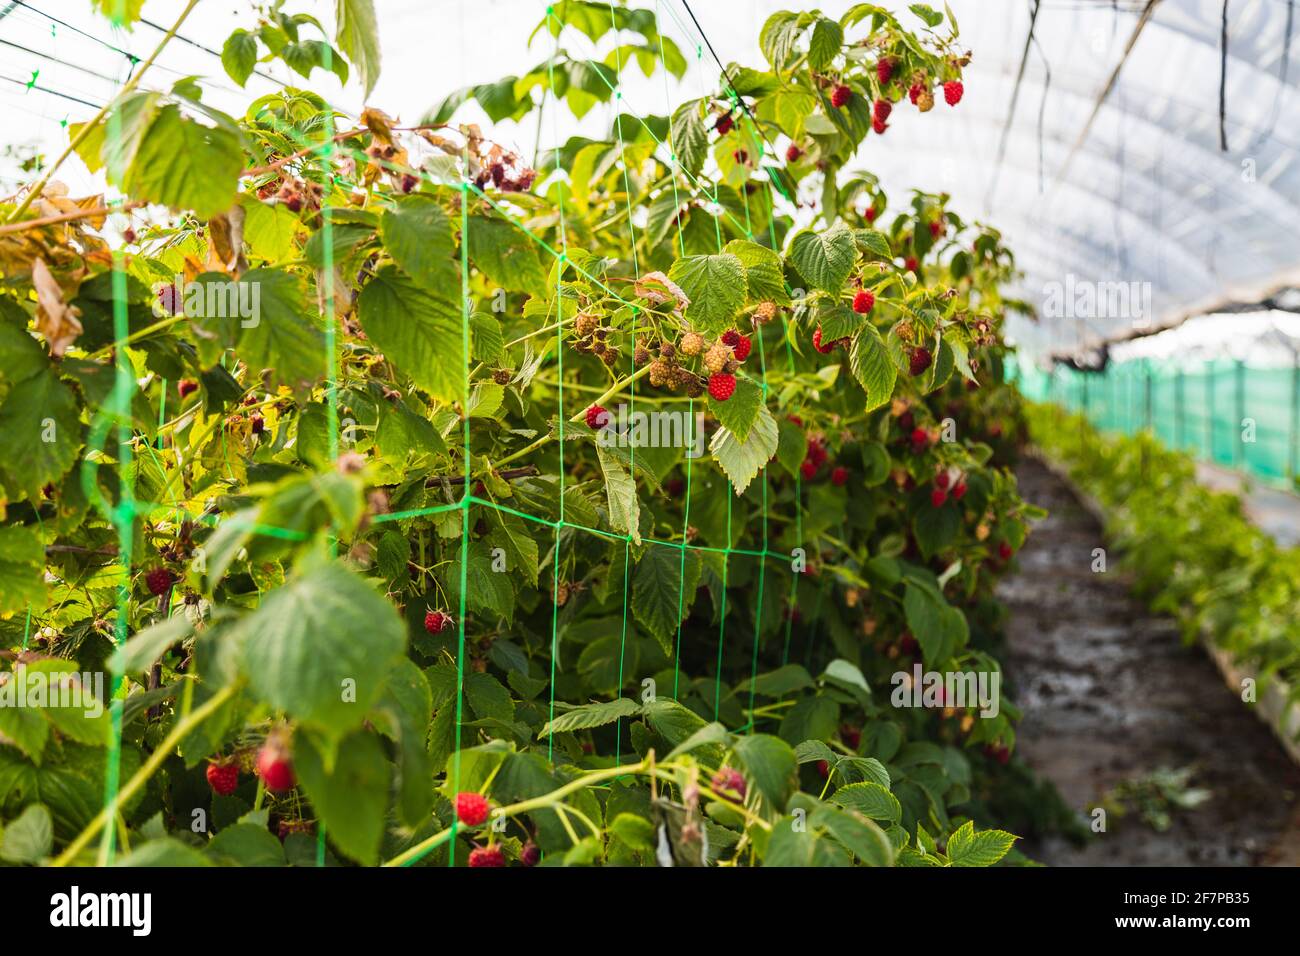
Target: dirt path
1111, 694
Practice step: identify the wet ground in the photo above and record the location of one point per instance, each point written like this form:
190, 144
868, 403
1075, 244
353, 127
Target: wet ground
1112, 698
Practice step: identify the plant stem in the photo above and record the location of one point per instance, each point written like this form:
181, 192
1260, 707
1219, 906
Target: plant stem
160, 754
39, 186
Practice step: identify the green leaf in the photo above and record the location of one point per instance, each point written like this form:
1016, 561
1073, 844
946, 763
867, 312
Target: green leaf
486, 590
771, 763
319, 647
871, 799
145, 647
985, 848
488, 698
71, 705
663, 590
590, 715
764, 276
873, 366
165, 852
637, 832
802, 846
688, 136
351, 796
742, 460
620, 490
246, 844
418, 329
863, 838
716, 287
239, 55
811, 718
417, 234
824, 259
404, 714
506, 255
25, 728
29, 838
739, 413
22, 568
931, 16
824, 44
278, 336
511, 535
123, 13
40, 434
183, 164
939, 628
357, 35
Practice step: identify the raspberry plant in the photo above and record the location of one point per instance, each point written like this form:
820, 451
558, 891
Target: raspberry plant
364, 569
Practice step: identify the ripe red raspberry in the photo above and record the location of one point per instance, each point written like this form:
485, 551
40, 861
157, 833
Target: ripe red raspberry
878, 126
906, 421
823, 769
941, 480
839, 475
881, 109
258, 423
864, 301
920, 438
794, 419
223, 778
721, 386
938, 497
793, 153
919, 360
530, 855
487, 856
870, 214
914, 91
186, 387
1004, 551
817, 342
743, 348
169, 300
998, 752
840, 96
885, 69
724, 124
274, 768
472, 808
409, 182
435, 622
729, 780
959, 491
158, 581
910, 264
936, 229
851, 736
597, 417
816, 452
808, 469
952, 91
128, 236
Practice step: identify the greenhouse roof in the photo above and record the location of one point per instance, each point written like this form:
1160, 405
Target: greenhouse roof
1097, 147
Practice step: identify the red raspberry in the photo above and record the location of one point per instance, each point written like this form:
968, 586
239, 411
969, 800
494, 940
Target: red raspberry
914, 92
938, 497
530, 855
952, 91
997, 752
675, 487
729, 780
472, 808
959, 491
597, 417
823, 769
724, 124
910, 264
435, 622
158, 581
128, 236
864, 301
907, 643
487, 856
186, 387
881, 109
941, 480
920, 438
808, 469
870, 214
840, 96
741, 157
906, 421
839, 475
816, 452
793, 153
223, 778
817, 342
742, 348
936, 229
795, 419
851, 736
274, 768
721, 386
169, 299
258, 423
1004, 551
919, 360
885, 69
409, 182
878, 126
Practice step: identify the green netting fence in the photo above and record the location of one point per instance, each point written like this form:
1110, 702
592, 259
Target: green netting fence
1223, 411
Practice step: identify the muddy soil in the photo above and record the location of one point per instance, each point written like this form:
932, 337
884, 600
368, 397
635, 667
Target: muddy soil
1110, 694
